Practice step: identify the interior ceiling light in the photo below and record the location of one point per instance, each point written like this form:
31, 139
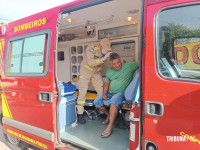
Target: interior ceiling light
129, 19
69, 20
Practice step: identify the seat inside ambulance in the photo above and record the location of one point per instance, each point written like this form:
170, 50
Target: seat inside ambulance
116, 20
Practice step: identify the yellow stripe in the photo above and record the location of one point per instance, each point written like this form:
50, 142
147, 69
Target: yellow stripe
88, 68
80, 102
1, 46
91, 96
5, 108
1, 51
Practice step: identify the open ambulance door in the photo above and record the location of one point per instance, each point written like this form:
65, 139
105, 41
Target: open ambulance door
170, 75
29, 87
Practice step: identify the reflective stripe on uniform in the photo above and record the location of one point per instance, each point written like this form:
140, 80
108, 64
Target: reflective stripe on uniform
88, 68
81, 102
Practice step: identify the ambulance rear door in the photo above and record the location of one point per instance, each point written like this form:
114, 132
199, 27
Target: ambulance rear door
170, 75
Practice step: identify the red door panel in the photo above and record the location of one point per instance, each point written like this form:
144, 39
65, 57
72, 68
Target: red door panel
171, 88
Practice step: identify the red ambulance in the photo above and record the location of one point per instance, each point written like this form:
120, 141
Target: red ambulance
42, 51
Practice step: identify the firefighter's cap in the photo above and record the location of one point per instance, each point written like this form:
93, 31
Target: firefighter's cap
105, 43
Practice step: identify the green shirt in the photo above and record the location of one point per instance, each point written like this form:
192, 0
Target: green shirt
120, 79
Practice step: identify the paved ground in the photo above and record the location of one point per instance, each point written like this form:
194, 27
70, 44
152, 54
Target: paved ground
2, 145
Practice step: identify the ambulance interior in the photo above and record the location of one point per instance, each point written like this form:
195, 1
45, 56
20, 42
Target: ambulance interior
116, 20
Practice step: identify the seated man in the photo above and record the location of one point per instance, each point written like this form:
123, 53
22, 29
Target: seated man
117, 79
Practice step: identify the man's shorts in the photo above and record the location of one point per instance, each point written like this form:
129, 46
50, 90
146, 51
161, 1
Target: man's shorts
114, 98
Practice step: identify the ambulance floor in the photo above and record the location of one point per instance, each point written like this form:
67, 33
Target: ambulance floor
89, 136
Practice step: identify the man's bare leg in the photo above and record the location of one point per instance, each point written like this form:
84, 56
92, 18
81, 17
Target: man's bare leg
105, 111
113, 114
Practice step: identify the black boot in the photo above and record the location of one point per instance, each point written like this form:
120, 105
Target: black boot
81, 118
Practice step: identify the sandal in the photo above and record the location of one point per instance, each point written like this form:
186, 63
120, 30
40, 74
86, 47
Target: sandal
105, 134
106, 121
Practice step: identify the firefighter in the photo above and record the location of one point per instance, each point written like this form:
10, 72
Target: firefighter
94, 56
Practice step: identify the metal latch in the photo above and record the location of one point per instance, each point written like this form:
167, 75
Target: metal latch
154, 108
45, 96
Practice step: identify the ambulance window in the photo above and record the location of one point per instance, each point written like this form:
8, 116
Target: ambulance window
178, 42
16, 56
26, 55
33, 54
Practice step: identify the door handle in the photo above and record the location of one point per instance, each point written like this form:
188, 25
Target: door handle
154, 108
45, 97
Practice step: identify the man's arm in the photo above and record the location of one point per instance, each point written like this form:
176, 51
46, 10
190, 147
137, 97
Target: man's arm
105, 90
